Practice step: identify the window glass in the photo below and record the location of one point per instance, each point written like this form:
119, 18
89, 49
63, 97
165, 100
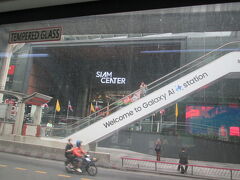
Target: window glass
87, 63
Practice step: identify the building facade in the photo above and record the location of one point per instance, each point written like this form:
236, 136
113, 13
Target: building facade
102, 58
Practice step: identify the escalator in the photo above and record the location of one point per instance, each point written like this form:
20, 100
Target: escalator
162, 93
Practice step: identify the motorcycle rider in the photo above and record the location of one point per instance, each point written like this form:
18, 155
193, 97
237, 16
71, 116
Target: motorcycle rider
68, 153
78, 152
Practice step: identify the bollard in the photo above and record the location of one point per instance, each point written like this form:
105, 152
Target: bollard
231, 174
192, 170
155, 166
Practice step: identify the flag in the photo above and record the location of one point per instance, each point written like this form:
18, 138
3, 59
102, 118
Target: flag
92, 108
70, 106
162, 111
176, 110
58, 108
45, 105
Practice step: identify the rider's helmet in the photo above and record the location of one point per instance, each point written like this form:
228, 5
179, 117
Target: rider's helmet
78, 143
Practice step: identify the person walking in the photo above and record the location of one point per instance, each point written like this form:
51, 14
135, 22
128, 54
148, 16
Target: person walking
158, 149
143, 89
48, 128
183, 161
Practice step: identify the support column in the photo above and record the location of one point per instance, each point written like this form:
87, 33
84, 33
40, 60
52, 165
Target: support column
19, 119
4, 69
82, 102
11, 48
37, 115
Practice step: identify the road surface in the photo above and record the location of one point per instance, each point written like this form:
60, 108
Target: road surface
27, 168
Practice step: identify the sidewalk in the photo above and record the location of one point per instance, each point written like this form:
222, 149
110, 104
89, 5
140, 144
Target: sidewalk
207, 173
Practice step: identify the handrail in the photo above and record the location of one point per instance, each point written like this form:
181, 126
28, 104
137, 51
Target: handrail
192, 62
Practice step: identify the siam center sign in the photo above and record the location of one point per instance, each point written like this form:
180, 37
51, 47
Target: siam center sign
108, 78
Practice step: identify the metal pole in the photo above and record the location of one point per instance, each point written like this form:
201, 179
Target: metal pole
140, 125
54, 116
161, 122
67, 114
158, 127
176, 117
176, 125
151, 123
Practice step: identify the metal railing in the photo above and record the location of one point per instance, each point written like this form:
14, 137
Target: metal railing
154, 127
193, 169
181, 127
161, 82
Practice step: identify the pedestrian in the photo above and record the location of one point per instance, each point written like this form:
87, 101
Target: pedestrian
158, 149
143, 89
136, 96
183, 161
127, 100
48, 128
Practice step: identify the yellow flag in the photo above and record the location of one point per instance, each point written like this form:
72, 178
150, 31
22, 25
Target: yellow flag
92, 108
58, 108
176, 110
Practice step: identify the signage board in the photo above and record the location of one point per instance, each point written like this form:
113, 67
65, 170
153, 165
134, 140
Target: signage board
35, 35
108, 78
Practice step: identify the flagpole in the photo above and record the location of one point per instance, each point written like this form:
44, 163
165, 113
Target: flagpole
107, 109
176, 124
67, 117
176, 117
57, 109
96, 107
67, 112
54, 116
161, 121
